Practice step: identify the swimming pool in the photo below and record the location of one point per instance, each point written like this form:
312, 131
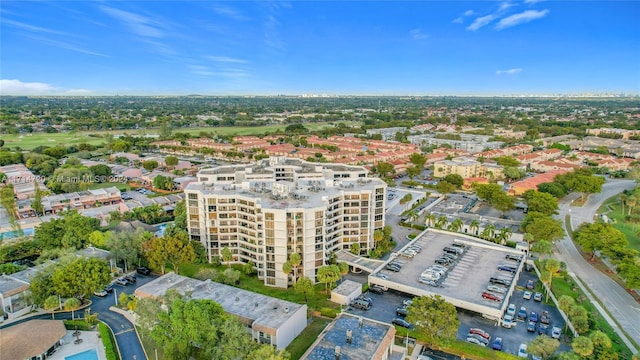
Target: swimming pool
85, 355
13, 234
160, 229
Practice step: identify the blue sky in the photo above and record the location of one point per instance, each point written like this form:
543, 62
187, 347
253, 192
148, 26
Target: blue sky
331, 47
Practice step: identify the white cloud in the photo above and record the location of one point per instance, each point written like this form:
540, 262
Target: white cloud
509, 71
521, 18
481, 22
458, 20
226, 59
532, 1
469, 13
17, 87
230, 13
417, 34
66, 45
33, 28
137, 24
505, 5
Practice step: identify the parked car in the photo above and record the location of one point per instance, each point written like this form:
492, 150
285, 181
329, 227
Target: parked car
108, 288
537, 297
530, 284
100, 293
143, 271
497, 344
367, 299
474, 340
477, 331
402, 322
500, 281
497, 289
508, 322
531, 326
545, 318
131, 278
393, 268
361, 304
522, 351
443, 261
491, 296
401, 312
121, 281
556, 332
543, 329
513, 257
508, 268
522, 313
428, 281
480, 338
527, 295
407, 302
533, 317
376, 290
511, 310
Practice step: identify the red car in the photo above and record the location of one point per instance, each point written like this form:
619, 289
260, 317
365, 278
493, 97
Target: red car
480, 332
490, 296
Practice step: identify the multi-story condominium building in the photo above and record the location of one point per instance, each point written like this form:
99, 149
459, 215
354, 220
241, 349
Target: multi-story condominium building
469, 142
467, 168
266, 211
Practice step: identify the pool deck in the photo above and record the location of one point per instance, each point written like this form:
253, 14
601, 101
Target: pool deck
90, 340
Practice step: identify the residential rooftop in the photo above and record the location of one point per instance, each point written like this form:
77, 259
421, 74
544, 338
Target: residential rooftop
263, 312
368, 339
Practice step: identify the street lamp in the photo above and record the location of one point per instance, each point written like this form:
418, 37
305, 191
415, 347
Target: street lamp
115, 296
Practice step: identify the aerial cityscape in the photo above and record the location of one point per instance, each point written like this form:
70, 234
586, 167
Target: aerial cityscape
319, 180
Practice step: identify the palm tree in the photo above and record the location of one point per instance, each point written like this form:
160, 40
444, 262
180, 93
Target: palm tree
623, 199
632, 202
295, 260
474, 226
429, 219
441, 222
52, 303
328, 274
71, 305
504, 234
412, 215
489, 232
286, 269
456, 225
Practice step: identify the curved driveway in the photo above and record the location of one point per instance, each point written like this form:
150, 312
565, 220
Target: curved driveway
622, 306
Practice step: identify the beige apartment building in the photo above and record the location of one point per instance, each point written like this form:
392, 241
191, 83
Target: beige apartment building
266, 211
467, 168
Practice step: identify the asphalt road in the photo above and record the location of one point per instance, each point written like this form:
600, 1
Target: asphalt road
125, 334
622, 307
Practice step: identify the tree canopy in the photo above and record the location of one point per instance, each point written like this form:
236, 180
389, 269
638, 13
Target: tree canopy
434, 318
541, 202
600, 236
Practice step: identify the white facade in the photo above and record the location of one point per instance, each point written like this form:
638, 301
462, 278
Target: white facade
265, 212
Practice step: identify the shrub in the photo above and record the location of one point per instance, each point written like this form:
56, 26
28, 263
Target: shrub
108, 342
328, 312
77, 325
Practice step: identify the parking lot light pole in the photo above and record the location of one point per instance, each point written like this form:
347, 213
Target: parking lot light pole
115, 296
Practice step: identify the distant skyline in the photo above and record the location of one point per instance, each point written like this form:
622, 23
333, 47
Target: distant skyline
529, 47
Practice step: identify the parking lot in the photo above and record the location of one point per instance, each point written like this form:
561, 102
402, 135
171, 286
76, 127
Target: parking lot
465, 281
384, 309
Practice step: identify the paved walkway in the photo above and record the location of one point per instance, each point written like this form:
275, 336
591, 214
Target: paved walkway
622, 306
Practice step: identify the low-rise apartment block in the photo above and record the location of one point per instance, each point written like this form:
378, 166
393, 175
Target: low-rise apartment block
266, 211
467, 168
269, 320
53, 204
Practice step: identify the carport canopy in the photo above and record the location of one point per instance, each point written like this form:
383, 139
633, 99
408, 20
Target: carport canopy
366, 264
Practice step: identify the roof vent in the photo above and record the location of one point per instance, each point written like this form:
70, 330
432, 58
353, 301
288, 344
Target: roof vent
349, 336
360, 321
286, 309
237, 298
337, 352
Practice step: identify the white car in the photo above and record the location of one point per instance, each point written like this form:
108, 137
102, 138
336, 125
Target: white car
511, 310
508, 322
556, 332
407, 302
522, 351
497, 289
527, 295
473, 340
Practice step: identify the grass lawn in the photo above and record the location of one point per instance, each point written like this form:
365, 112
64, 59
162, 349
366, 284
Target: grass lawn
119, 185
613, 209
318, 300
150, 346
30, 141
301, 343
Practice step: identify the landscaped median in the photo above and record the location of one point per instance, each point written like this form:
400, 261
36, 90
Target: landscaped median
109, 342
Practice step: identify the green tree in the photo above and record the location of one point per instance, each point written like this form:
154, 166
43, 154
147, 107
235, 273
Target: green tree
456, 225
553, 267
287, 269
171, 161
418, 160
434, 318
541, 202
582, 345
413, 171
249, 268
355, 249
542, 227
513, 173
328, 275
268, 352
296, 260
474, 226
227, 255
444, 187
454, 179
598, 236
629, 270
81, 277
9, 268
565, 302
150, 165
542, 247
600, 340
52, 303
304, 286
125, 246
156, 254
101, 172
97, 238
384, 168
163, 183
507, 161
504, 235
543, 346
72, 304
36, 203
179, 250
